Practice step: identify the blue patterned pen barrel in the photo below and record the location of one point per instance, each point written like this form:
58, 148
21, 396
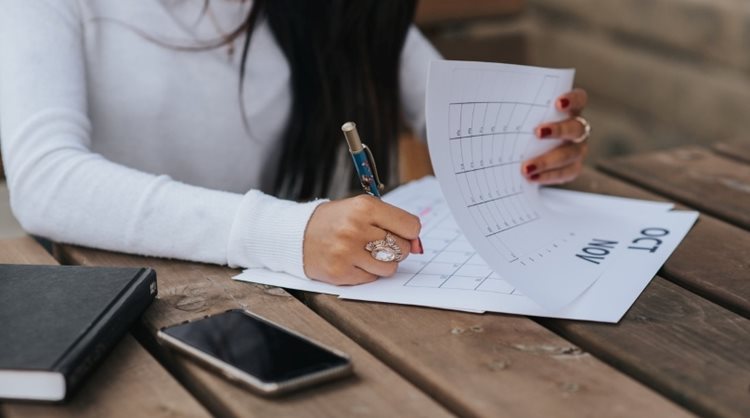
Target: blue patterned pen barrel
362, 157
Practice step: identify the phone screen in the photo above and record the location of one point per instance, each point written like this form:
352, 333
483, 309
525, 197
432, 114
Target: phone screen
256, 347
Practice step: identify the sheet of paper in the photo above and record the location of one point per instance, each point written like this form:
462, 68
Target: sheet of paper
287, 281
480, 127
571, 200
450, 271
451, 274
271, 278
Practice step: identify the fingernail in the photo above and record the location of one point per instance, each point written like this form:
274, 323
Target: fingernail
419, 249
530, 168
564, 103
545, 132
535, 176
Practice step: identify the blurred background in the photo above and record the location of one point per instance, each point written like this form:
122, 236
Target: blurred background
659, 73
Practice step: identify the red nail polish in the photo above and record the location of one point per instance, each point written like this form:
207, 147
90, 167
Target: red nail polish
564, 103
535, 176
545, 132
530, 168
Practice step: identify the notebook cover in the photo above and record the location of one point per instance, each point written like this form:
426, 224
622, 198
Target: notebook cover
66, 318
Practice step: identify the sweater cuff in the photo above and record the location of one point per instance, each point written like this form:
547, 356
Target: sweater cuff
269, 232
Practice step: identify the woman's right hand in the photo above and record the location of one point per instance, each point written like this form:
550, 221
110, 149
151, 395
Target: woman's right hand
338, 231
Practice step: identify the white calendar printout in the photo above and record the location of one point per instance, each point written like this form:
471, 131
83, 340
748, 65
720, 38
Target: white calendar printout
480, 127
451, 275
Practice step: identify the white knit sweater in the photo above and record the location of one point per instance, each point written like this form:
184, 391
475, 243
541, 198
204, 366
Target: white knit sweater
111, 140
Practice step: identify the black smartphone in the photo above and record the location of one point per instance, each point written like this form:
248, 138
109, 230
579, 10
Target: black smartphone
255, 352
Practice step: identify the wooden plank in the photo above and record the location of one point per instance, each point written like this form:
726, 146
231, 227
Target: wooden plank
128, 383
434, 12
23, 250
739, 150
694, 176
714, 260
508, 48
692, 350
414, 159
190, 290
491, 365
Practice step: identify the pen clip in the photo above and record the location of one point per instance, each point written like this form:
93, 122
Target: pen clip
371, 160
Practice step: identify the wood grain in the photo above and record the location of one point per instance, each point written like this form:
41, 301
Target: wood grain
508, 48
739, 150
714, 259
414, 159
190, 290
433, 12
491, 365
694, 351
128, 383
694, 176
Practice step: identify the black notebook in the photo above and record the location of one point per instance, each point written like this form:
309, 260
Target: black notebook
58, 322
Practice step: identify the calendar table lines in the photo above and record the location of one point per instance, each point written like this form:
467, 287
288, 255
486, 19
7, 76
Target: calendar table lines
452, 269
437, 253
494, 193
483, 280
511, 227
494, 199
454, 273
493, 133
503, 102
488, 167
481, 122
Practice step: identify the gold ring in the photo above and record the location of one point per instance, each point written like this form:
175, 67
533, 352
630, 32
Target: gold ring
586, 130
385, 249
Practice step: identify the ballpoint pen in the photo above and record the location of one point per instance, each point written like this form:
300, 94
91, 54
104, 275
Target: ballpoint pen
364, 162
367, 171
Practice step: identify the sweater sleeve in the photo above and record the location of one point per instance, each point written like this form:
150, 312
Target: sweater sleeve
60, 189
415, 61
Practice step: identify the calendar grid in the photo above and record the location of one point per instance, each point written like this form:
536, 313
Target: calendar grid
488, 141
447, 267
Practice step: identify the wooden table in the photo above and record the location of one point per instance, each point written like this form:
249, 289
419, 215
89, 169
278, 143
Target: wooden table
683, 348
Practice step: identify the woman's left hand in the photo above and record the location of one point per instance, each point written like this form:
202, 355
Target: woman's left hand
565, 162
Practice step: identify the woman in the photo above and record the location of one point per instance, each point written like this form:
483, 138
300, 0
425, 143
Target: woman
151, 127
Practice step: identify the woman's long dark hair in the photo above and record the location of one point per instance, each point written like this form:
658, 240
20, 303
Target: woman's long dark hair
344, 61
